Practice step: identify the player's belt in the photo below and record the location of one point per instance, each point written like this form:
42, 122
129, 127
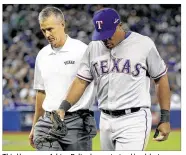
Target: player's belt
121, 112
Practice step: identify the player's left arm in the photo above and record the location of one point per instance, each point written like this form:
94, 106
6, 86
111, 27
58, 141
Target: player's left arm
163, 94
158, 71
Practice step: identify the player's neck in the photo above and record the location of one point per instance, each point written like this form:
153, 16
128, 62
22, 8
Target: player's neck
125, 34
122, 36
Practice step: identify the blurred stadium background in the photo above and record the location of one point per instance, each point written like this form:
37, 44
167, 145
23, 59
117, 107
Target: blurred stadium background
22, 40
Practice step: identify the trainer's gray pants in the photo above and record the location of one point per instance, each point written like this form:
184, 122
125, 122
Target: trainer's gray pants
81, 130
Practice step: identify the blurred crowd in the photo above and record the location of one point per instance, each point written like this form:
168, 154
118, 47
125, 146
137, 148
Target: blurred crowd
22, 40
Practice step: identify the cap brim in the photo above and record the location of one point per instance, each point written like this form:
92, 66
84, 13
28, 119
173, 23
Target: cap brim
102, 35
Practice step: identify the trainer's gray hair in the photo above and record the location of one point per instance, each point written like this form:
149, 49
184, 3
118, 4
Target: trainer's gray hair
48, 11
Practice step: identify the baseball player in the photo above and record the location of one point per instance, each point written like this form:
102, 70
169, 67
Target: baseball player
121, 64
55, 68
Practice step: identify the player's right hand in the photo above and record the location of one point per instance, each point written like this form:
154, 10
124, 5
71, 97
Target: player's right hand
61, 113
31, 136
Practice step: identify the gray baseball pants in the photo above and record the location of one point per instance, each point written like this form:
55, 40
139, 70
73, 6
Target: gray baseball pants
81, 129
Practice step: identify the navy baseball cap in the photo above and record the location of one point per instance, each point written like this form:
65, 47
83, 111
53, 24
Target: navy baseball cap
105, 23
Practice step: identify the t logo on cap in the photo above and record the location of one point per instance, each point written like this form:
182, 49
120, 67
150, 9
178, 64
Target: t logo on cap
99, 24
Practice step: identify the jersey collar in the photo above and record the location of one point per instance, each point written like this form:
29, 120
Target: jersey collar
127, 34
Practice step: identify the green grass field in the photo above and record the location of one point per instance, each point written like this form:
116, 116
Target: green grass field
19, 141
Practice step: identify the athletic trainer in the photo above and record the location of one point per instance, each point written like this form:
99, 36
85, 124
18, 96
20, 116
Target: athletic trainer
56, 67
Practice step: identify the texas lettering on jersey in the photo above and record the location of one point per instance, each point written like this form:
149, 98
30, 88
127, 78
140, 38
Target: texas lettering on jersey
117, 65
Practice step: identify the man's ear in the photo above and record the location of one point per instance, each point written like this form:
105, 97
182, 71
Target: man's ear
63, 24
120, 25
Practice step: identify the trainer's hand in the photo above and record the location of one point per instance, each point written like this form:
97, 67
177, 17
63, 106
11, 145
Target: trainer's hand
162, 132
31, 136
61, 113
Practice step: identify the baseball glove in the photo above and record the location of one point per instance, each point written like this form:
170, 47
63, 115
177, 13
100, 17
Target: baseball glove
59, 129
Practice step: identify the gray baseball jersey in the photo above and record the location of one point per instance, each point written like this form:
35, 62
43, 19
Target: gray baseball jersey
122, 75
